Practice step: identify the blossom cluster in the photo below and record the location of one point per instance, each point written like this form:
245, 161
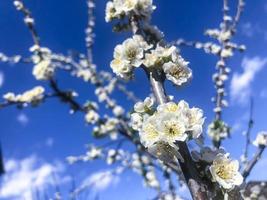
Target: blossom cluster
43, 68
103, 96
118, 9
107, 126
33, 96
169, 123
91, 115
223, 36
135, 52
218, 130
92, 154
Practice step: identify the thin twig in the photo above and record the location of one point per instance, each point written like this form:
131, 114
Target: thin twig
247, 134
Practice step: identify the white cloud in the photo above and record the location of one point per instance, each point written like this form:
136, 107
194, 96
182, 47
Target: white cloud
23, 176
23, 119
101, 180
98, 181
2, 78
240, 87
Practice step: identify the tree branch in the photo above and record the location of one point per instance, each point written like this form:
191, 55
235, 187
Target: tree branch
253, 162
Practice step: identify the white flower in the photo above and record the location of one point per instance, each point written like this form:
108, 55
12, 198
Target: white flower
170, 123
94, 153
195, 121
121, 68
225, 172
127, 55
85, 74
225, 53
131, 50
213, 33
10, 96
171, 127
91, 117
43, 70
29, 20
31, 96
118, 111
144, 106
152, 179
215, 49
158, 56
108, 127
218, 130
111, 124
117, 9
177, 73
18, 5
111, 157
144, 7
136, 121
261, 139
124, 5
110, 11
149, 134
226, 35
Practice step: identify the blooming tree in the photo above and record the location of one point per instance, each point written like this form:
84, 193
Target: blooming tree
159, 127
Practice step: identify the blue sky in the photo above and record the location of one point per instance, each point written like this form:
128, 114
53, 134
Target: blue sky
48, 134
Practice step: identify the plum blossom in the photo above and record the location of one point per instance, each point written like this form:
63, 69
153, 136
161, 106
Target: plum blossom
218, 130
144, 106
158, 56
127, 55
261, 139
33, 96
91, 117
173, 65
171, 122
43, 68
225, 172
118, 9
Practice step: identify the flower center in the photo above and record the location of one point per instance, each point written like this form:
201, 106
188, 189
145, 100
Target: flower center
224, 172
172, 128
131, 53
